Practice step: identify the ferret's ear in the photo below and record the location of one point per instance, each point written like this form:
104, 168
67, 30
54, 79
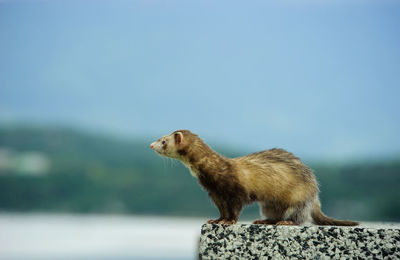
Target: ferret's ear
178, 138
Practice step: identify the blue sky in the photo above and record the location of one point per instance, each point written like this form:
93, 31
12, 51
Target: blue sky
320, 79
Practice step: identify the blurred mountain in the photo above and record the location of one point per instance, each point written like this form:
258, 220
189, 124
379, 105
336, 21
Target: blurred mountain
56, 169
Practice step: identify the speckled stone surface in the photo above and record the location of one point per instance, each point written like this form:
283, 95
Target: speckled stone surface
246, 241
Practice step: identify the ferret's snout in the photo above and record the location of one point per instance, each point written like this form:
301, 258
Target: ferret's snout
152, 145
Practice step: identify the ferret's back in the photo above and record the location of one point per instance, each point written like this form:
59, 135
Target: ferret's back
274, 156
277, 166
277, 175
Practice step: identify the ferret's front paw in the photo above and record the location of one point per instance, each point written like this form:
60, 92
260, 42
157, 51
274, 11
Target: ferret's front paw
214, 221
227, 222
221, 221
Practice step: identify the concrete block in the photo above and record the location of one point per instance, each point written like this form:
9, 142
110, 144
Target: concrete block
247, 241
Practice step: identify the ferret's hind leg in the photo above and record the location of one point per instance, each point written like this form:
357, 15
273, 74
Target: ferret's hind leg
280, 214
296, 215
271, 213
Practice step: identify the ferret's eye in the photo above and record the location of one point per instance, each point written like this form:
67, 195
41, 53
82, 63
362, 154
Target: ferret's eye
163, 142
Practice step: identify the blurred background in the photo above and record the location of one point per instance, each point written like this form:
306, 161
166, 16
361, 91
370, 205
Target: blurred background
86, 86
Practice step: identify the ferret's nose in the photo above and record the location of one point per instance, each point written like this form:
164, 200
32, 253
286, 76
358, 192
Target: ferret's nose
152, 146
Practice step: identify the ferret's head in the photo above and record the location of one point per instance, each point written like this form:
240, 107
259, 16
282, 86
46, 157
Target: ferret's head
174, 145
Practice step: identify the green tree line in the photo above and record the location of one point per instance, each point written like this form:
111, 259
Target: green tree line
90, 173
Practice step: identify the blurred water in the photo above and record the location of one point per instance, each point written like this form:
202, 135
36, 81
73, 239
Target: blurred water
48, 236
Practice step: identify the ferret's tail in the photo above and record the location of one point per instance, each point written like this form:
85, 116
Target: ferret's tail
320, 218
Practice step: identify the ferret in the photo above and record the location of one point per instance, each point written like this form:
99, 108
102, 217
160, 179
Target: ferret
284, 187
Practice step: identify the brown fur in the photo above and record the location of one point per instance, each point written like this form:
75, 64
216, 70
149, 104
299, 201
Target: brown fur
285, 188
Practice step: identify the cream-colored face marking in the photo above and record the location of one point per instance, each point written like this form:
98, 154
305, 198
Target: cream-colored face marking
165, 146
